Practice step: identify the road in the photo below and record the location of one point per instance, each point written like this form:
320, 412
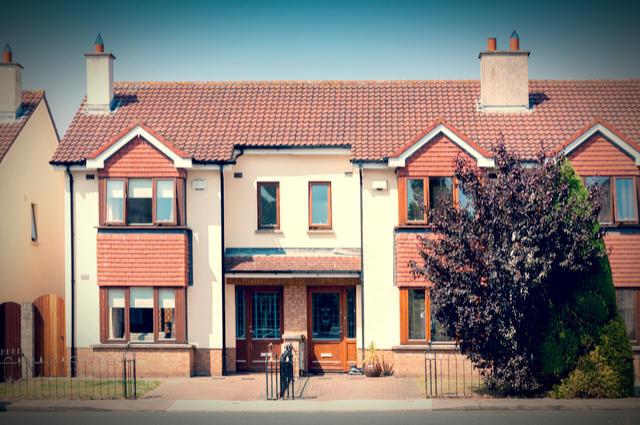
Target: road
582, 417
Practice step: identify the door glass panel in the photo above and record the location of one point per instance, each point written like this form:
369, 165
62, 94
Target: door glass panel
351, 312
326, 315
240, 313
266, 315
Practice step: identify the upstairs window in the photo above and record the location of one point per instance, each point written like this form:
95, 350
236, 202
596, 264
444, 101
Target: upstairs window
424, 193
115, 201
268, 205
140, 201
416, 201
319, 205
34, 224
440, 190
165, 201
619, 198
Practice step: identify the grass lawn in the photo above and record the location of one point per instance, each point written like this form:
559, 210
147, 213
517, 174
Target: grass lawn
71, 388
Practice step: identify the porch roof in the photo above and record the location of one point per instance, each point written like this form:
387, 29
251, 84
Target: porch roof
292, 260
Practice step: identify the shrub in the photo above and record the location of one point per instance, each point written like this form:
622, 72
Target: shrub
606, 371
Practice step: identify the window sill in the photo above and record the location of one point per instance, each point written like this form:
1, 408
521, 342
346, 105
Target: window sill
142, 346
271, 231
436, 346
141, 227
321, 232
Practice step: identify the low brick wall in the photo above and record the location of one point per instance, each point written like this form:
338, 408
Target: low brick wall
151, 362
208, 361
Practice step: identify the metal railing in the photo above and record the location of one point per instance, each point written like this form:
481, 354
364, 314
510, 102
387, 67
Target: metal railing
279, 379
96, 378
450, 375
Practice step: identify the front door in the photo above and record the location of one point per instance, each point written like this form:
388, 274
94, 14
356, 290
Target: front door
258, 325
332, 328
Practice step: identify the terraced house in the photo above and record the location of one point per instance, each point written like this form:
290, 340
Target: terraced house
216, 221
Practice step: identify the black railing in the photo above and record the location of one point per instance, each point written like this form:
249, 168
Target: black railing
96, 378
449, 374
279, 379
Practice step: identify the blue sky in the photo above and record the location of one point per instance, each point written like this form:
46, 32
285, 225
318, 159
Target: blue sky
312, 40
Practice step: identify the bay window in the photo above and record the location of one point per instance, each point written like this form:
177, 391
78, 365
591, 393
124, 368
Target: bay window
416, 201
440, 191
319, 205
418, 324
142, 314
115, 201
139, 201
619, 199
165, 201
420, 194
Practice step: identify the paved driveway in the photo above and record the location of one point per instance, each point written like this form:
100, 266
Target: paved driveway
250, 387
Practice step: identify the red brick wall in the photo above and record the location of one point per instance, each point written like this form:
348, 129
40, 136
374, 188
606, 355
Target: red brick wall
598, 156
143, 259
151, 362
623, 249
295, 309
435, 158
139, 158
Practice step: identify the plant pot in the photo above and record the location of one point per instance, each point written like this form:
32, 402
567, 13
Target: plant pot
372, 370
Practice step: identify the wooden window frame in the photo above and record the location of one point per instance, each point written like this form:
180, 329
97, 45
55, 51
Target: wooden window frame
180, 316
614, 194
329, 225
104, 199
425, 201
179, 203
259, 186
613, 199
404, 317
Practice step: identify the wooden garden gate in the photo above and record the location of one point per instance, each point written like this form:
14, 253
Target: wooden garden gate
49, 336
10, 340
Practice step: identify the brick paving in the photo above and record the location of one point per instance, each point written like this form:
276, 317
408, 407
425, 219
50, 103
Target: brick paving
251, 387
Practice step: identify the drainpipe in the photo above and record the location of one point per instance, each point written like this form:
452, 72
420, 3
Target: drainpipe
73, 272
361, 265
224, 283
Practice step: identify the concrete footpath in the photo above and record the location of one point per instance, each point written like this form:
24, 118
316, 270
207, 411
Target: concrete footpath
163, 405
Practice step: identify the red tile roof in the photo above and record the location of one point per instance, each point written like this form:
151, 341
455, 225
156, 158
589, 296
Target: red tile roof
9, 130
292, 263
373, 118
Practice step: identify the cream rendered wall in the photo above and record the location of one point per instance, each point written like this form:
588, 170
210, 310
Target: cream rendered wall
28, 270
204, 298
294, 172
86, 210
381, 296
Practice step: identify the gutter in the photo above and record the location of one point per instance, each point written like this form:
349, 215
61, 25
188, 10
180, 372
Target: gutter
361, 264
73, 272
222, 274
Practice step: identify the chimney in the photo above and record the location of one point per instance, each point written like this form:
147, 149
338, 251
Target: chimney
10, 85
99, 79
504, 77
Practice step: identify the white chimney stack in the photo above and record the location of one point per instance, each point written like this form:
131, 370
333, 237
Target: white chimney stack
10, 86
99, 79
504, 77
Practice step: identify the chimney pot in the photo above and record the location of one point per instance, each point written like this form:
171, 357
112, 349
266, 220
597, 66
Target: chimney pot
492, 44
7, 54
99, 44
514, 42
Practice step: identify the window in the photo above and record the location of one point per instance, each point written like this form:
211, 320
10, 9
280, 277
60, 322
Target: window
319, 205
139, 201
416, 206
268, 205
417, 314
34, 225
604, 183
240, 332
165, 201
115, 201
167, 314
418, 324
464, 201
626, 204
141, 314
440, 190
628, 301
116, 314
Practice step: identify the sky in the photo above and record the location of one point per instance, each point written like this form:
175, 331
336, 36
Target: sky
186, 40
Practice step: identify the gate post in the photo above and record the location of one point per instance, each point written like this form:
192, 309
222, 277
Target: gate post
27, 338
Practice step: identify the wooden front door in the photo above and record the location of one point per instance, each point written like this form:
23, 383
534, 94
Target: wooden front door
331, 328
258, 325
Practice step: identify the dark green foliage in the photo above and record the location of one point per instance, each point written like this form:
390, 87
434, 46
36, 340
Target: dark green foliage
604, 372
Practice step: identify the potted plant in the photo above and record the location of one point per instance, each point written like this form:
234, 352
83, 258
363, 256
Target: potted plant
372, 367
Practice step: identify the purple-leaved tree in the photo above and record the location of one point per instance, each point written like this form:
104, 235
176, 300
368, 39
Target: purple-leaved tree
491, 264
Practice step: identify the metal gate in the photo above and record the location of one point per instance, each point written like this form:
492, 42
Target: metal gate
450, 374
279, 379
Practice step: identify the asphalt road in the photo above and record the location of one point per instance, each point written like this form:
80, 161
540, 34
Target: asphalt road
582, 417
